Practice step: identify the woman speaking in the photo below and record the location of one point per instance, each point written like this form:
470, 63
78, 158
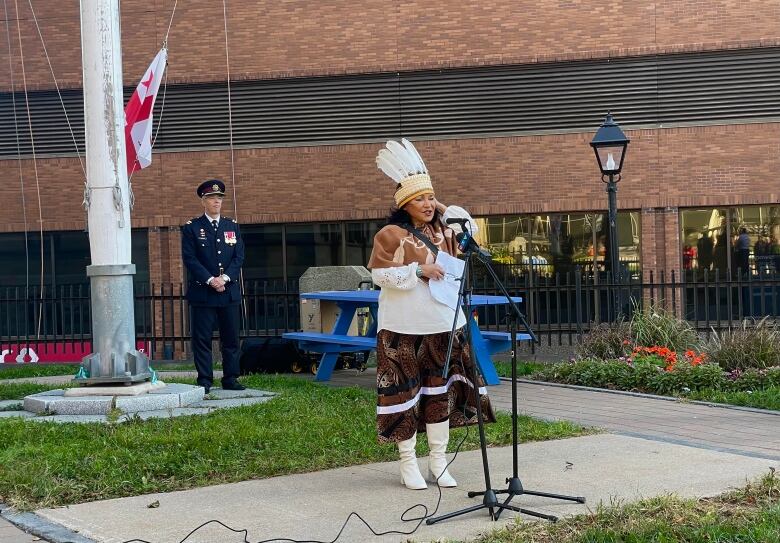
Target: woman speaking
414, 328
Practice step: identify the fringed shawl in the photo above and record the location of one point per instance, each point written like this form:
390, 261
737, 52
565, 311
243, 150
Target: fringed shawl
395, 246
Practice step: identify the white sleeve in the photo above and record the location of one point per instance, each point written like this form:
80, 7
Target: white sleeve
456, 212
400, 277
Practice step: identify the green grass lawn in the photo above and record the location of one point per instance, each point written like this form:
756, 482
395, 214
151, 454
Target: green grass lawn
767, 398
18, 371
308, 427
748, 515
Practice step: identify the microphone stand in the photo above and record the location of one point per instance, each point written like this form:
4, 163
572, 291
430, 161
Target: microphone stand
489, 500
514, 485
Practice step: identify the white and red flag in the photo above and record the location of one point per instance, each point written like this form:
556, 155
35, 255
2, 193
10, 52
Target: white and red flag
138, 115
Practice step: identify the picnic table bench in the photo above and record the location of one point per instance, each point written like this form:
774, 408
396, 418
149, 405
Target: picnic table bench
486, 343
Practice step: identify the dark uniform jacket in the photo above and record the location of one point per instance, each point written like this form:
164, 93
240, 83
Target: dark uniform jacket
208, 255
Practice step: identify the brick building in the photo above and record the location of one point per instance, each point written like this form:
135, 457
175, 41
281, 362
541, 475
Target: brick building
501, 96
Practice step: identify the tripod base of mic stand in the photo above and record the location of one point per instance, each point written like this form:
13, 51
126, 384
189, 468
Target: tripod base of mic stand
489, 502
515, 488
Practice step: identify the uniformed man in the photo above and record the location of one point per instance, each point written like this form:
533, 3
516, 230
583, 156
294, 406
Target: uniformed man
213, 253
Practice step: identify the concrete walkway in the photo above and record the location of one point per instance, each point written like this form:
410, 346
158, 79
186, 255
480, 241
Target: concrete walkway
657, 446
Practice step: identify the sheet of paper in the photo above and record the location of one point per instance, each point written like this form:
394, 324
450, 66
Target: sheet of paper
445, 290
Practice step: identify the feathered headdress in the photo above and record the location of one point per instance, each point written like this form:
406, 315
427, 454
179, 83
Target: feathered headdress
403, 164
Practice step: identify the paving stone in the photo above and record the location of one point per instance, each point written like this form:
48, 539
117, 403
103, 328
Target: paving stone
70, 418
91, 405
174, 388
5, 404
11, 414
248, 393
147, 402
189, 397
166, 413
230, 402
38, 403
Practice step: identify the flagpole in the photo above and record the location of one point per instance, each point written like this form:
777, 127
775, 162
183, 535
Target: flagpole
114, 357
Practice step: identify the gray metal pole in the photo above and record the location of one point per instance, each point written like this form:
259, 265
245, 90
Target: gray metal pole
114, 357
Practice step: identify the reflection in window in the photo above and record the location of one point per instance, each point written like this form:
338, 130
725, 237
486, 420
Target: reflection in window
704, 240
65, 258
263, 259
312, 245
741, 238
557, 243
360, 240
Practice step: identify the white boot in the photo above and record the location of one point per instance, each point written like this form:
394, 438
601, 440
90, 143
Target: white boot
410, 470
438, 437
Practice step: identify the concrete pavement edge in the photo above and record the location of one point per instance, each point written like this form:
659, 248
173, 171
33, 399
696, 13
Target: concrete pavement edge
40, 527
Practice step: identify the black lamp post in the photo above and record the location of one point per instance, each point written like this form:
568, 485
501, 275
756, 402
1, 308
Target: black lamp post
610, 146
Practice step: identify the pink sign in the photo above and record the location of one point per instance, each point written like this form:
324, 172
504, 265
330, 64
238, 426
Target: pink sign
48, 353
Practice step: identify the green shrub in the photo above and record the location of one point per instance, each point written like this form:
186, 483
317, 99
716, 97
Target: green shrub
753, 379
655, 326
644, 375
687, 378
606, 340
752, 345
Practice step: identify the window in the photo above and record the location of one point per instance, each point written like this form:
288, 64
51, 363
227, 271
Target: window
717, 240
264, 260
556, 243
310, 245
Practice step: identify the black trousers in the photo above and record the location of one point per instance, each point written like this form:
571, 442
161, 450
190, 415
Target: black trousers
202, 322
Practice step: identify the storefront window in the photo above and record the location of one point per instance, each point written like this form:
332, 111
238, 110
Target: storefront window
557, 243
743, 240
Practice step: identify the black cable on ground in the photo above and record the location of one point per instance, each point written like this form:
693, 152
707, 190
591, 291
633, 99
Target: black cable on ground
352, 514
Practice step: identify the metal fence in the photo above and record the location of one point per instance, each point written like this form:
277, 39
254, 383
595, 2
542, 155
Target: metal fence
56, 322
560, 307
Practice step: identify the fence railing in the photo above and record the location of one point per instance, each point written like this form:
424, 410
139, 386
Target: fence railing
560, 307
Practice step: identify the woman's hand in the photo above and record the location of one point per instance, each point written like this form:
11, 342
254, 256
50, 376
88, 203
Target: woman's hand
440, 207
432, 271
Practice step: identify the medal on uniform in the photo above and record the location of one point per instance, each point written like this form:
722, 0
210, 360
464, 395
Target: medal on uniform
202, 234
230, 238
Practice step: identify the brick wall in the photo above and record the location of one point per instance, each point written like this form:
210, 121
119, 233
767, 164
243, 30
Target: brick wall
669, 168
288, 38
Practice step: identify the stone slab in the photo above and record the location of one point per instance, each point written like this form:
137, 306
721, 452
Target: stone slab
70, 418
166, 413
116, 390
189, 397
174, 388
60, 405
11, 414
223, 394
230, 402
147, 402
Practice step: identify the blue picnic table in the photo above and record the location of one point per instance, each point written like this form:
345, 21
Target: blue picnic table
486, 343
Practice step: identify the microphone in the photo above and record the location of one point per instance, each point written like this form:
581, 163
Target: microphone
457, 221
464, 239
466, 242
